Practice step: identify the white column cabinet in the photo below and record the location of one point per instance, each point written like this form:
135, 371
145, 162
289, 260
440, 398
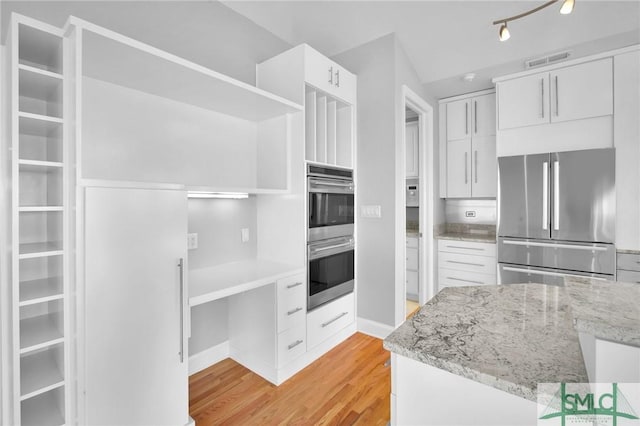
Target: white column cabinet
571, 93
135, 307
412, 165
469, 151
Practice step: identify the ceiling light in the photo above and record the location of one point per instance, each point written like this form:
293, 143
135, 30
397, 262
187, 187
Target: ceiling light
567, 7
204, 194
504, 32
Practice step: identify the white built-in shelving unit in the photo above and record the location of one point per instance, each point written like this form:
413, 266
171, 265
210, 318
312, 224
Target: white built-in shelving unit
39, 213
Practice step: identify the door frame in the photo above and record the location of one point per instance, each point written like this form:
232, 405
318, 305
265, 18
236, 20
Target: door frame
426, 180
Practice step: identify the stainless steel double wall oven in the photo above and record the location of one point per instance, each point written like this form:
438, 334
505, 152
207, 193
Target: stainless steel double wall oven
331, 245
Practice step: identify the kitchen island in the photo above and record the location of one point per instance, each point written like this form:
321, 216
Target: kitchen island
475, 355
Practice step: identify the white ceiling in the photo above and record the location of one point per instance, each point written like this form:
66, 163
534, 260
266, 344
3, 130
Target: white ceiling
443, 38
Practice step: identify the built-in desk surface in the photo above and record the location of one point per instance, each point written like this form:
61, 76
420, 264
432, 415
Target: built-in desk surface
217, 282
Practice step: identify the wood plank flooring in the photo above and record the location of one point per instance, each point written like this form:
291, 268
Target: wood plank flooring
347, 386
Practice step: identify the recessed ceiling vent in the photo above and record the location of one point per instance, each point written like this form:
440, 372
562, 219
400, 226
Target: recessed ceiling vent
547, 60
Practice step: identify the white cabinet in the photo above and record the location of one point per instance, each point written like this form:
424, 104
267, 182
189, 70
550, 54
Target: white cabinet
626, 134
571, 93
628, 268
135, 310
412, 267
327, 320
412, 163
465, 263
328, 92
468, 147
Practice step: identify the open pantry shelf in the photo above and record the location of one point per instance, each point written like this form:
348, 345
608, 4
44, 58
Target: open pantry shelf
111, 57
41, 290
39, 49
33, 209
40, 92
33, 250
44, 410
40, 332
40, 372
37, 124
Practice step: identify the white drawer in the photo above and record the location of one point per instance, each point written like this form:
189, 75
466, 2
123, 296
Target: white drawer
454, 278
327, 320
292, 302
412, 242
467, 247
291, 344
412, 283
412, 259
628, 262
465, 262
628, 276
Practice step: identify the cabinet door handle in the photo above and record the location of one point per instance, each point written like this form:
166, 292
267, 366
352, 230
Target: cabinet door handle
475, 165
293, 311
466, 178
465, 281
466, 248
299, 283
181, 266
337, 78
294, 344
475, 115
542, 96
324, 324
465, 263
557, 103
466, 118
330, 75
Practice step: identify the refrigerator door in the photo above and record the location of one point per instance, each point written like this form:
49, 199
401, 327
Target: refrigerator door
524, 196
519, 274
583, 195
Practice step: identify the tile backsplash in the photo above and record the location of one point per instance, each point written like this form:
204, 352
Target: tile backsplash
471, 211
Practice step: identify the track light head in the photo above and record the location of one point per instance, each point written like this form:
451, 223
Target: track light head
567, 7
504, 32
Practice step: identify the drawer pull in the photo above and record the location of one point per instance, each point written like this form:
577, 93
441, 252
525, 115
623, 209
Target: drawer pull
465, 263
294, 344
465, 281
466, 248
293, 311
294, 285
324, 324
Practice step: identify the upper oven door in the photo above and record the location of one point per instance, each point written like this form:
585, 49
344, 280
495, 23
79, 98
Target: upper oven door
331, 208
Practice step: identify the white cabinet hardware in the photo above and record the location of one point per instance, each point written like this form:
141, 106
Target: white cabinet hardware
466, 263
294, 285
331, 321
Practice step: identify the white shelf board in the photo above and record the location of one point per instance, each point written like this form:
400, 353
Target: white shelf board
40, 71
36, 165
32, 250
39, 84
39, 332
31, 209
38, 125
40, 45
43, 410
217, 282
40, 290
39, 373
117, 59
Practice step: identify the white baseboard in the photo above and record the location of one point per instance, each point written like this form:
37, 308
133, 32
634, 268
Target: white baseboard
208, 357
374, 328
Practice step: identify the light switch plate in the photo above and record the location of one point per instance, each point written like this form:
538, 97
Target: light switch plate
371, 211
192, 241
244, 232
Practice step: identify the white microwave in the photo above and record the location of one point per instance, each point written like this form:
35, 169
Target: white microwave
413, 199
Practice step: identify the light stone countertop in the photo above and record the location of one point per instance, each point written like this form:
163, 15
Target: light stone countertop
458, 236
628, 251
513, 337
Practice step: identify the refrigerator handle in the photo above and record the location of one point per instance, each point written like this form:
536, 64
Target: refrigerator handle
545, 195
556, 195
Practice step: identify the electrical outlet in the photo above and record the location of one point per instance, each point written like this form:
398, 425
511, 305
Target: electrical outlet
470, 213
244, 232
192, 241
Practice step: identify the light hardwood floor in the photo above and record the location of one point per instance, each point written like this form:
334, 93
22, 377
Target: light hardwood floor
350, 385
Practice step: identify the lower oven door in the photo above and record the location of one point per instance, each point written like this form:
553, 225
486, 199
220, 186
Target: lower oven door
331, 270
521, 274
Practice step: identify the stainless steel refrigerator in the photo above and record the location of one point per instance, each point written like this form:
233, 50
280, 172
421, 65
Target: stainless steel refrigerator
556, 216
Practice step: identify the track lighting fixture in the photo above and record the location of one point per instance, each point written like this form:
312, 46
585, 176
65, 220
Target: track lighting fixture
567, 8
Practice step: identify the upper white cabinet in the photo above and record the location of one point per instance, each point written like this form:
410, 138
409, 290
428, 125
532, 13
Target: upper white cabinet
412, 164
328, 92
580, 91
467, 146
627, 143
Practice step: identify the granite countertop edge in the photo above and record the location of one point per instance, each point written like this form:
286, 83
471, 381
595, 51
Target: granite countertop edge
478, 238
628, 251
